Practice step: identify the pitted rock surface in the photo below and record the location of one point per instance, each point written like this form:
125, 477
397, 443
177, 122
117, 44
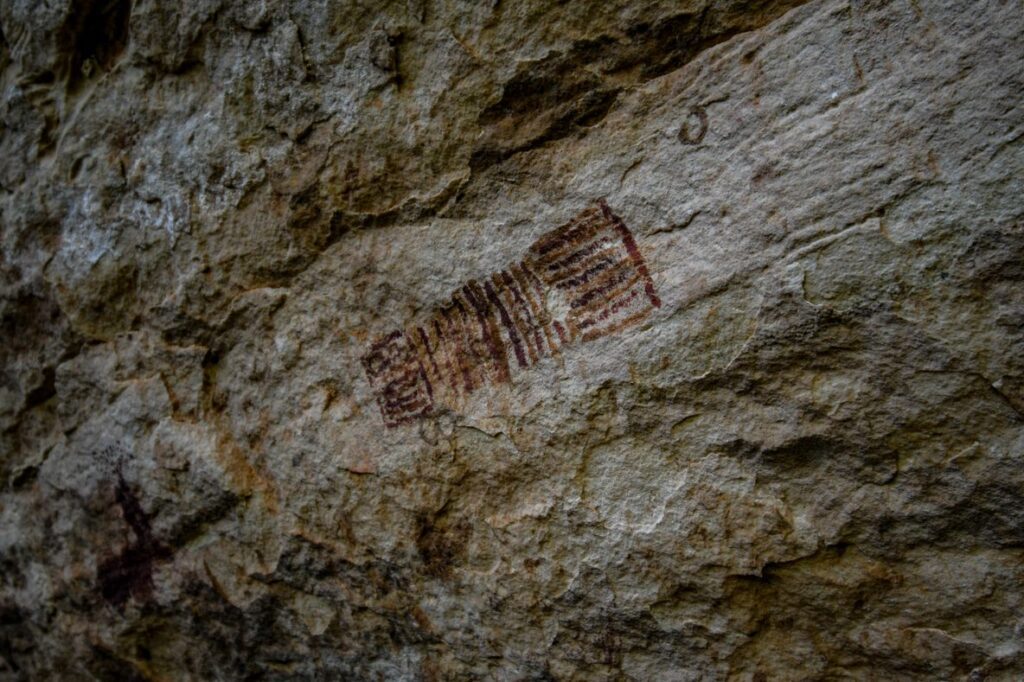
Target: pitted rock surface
770, 429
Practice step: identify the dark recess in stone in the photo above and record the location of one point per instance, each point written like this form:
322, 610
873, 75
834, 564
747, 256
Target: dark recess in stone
97, 31
13, 636
105, 665
44, 391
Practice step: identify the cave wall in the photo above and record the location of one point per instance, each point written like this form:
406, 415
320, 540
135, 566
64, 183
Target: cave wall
439, 340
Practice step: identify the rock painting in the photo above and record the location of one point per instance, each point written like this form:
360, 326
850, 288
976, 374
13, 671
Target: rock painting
579, 282
130, 573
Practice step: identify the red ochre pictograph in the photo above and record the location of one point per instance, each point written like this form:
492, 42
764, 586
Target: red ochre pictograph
582, 281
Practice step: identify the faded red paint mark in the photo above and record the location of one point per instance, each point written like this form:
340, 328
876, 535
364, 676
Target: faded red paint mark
130, 573
399, 380
581, 281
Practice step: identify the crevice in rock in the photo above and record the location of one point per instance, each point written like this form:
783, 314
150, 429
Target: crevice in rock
564, 93
587, 110
5, 53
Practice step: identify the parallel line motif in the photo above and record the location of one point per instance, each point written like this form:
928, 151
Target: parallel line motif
582, 281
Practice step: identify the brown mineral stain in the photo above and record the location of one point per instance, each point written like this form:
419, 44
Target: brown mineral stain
245, 478
441, 546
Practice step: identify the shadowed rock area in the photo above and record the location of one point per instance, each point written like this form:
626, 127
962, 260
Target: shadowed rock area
438, 340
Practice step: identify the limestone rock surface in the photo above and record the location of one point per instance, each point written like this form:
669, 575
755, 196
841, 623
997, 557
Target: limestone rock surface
447, 340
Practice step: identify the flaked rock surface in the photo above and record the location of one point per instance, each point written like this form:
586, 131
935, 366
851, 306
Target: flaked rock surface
444, 340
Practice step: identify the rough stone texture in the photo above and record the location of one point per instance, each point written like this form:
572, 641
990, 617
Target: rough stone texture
807, 463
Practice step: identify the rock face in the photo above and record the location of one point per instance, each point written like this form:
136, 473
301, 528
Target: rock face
512, 340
